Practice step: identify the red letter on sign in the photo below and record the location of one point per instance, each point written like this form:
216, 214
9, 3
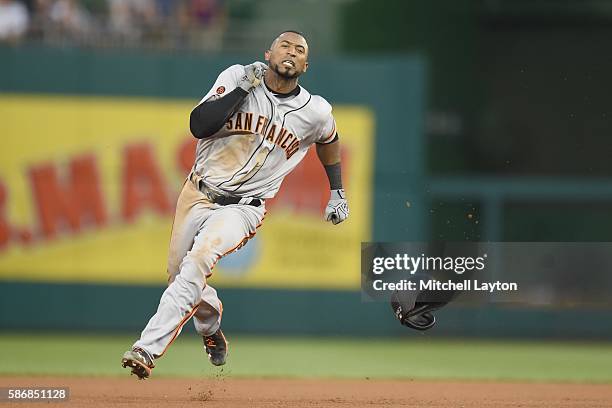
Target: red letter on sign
143, 185
71, 202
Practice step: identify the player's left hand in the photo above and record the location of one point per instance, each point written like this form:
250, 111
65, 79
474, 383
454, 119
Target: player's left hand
337, 208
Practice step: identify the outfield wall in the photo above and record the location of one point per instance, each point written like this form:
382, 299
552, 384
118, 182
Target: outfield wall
95, 146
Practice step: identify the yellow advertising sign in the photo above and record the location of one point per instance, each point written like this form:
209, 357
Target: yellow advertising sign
87, 194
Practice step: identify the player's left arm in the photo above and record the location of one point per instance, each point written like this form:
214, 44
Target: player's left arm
329, 154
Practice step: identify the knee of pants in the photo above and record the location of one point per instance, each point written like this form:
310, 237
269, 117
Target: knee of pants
196, 268
186, 290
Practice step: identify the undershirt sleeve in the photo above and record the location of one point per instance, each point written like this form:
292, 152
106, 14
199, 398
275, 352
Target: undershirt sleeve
208, 117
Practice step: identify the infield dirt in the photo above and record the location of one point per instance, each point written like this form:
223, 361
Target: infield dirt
226, 392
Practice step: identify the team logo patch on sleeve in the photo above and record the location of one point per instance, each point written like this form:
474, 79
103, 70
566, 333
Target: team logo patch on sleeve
220, 90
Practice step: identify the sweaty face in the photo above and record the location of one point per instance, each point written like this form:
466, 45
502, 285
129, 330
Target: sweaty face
288, 55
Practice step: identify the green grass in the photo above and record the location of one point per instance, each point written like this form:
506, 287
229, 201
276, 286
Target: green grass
78, 355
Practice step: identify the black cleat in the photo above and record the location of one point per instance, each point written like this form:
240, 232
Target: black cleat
216, 347
140, 361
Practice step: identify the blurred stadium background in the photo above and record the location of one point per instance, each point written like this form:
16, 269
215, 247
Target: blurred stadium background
460, 121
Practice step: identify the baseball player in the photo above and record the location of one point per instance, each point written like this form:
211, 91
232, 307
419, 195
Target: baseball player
254, 126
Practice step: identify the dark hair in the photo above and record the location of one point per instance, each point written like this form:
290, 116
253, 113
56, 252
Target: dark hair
287, 31
291, 31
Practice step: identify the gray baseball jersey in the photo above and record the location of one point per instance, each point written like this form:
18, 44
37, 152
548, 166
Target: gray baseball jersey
263, 140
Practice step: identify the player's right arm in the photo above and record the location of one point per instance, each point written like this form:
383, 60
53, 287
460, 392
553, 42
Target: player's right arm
215, 108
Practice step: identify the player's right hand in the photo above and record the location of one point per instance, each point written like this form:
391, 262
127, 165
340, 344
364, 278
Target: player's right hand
253, 75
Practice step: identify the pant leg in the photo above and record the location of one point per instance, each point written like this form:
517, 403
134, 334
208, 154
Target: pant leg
224, 228
225, 233
187, 223
192, 209
182, 297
